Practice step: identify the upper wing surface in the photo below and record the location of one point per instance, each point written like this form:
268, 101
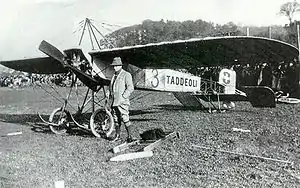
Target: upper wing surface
217, 51
41, 65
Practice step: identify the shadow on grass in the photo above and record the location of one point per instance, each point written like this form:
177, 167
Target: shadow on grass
74, 131
178, 107
141, 112
27, 119
142, 119
20, 118
202, 109
38, 126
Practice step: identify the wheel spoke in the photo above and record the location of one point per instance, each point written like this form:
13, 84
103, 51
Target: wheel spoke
101, 123
60, 118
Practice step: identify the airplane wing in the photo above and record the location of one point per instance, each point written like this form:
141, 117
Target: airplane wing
41, 65
45, 65
221, 51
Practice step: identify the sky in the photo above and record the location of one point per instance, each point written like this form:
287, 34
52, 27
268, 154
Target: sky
25, 23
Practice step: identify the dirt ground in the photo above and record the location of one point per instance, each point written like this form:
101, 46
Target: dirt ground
38, 158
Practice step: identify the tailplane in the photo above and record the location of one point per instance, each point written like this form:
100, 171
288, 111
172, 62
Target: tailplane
227, 78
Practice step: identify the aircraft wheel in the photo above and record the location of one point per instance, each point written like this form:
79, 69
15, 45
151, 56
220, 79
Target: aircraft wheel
102, 123
60, 118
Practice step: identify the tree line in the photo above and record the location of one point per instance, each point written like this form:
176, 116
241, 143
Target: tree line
150, 31
276, 76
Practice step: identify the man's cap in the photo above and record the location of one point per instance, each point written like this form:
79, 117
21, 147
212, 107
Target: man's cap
117, 62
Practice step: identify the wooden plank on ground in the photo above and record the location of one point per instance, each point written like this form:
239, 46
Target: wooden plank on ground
133, 155
124, 146
153, 145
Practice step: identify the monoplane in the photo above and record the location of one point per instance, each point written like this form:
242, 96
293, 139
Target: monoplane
165, 66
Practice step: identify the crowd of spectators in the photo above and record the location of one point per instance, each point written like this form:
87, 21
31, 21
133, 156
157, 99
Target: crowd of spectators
20, 79
282, 76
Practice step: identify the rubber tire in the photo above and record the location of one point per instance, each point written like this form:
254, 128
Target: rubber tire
54, 129
110, 128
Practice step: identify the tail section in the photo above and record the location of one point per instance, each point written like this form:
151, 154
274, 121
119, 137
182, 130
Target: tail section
260, 96
227, 78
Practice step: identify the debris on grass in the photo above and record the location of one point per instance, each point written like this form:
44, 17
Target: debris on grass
241, 130
245, 155
60, 184
12, 134
39, 157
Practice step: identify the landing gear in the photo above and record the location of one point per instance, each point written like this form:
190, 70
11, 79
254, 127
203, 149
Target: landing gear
77, 68
102, 123
60, 121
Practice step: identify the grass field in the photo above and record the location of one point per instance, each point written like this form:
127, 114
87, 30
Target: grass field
38, 158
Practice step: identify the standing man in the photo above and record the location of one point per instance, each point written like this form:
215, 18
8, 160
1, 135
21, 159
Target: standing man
121, 87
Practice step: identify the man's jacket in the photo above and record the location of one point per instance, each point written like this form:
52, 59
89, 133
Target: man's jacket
121, 87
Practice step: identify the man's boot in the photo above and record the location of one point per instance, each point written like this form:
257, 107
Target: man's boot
118, 130
128, 129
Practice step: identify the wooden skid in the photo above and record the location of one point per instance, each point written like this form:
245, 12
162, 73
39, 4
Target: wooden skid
125, 146
153, 145
47, 122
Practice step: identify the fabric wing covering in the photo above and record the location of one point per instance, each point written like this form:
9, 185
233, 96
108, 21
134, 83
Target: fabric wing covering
42, 65
217, 51
188, 54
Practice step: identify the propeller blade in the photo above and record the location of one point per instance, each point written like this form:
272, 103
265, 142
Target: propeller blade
52, 51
